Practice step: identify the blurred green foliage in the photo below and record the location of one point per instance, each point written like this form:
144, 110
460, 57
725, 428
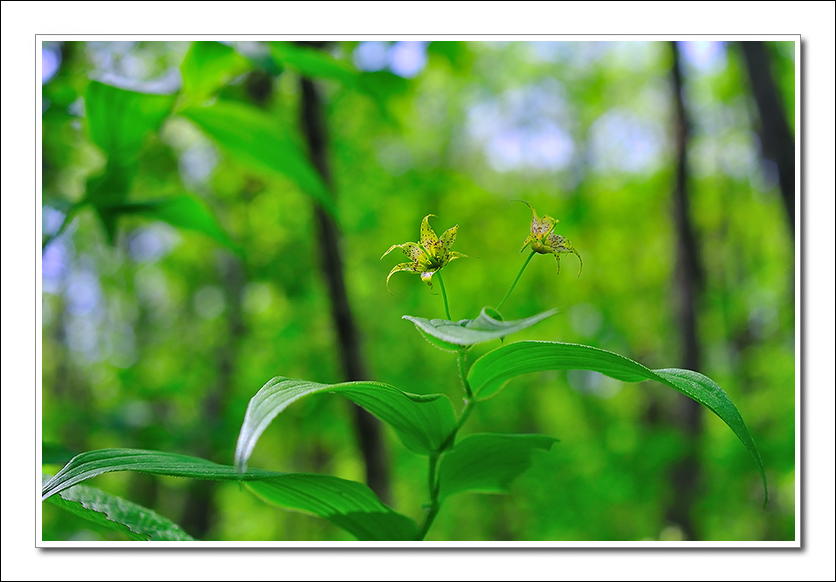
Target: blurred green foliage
159, 341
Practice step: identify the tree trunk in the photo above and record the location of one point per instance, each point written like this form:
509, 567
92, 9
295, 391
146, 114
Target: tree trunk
367, 426
777, 143
688, 283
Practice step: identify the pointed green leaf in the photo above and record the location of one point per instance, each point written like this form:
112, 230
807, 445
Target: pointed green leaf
490, 373
487, 463
318, 64
207, 67
423, 423
186, 212
120, 120
135, 521
255, 139
473, 331
94, 463
347, 504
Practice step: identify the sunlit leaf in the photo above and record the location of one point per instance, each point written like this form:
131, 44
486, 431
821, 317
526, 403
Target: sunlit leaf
347, 504
318, 64
207, 67
255, 139
109, 511
487, 463
473, 331
120, 120
423, 423
490, 373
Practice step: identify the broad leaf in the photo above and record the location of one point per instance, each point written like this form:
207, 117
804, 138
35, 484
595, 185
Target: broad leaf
490, 373
467, 332
186, 212
207, 67
347, 504
258, 141
487, 463
135, 521
119, 120
423, 423
318, 64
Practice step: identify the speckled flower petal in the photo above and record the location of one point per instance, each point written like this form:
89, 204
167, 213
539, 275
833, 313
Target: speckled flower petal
420, 260
559, 244
428, 237
442, 250
540, 227
428, 257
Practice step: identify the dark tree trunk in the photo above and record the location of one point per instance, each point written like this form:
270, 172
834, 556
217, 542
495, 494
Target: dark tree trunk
688, 283
777, 143
368, 427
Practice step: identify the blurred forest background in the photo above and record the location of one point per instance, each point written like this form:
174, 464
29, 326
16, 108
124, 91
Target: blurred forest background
222, 221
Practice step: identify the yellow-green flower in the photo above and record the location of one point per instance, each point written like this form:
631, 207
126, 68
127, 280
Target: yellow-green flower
428, 257
544, 241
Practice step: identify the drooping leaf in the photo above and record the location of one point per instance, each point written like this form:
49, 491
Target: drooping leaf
467, 332
423, 423
487, 463
207, 67
347, 504
94, 463
256, 140
120, 120
135, 521
490, 373
186, 212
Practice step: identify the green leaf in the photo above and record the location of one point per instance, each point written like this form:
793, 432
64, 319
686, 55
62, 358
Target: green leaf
119, 120
94, 463
490, 373
487, 463
186, 212
207, 67
347, 504
423, 423
312, 62
315, 63
473, 331
135, 521
255, 139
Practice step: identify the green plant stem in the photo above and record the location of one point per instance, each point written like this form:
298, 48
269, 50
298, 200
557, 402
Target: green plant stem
514, 284
444, 295
469, 403
461, 356
434, 503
